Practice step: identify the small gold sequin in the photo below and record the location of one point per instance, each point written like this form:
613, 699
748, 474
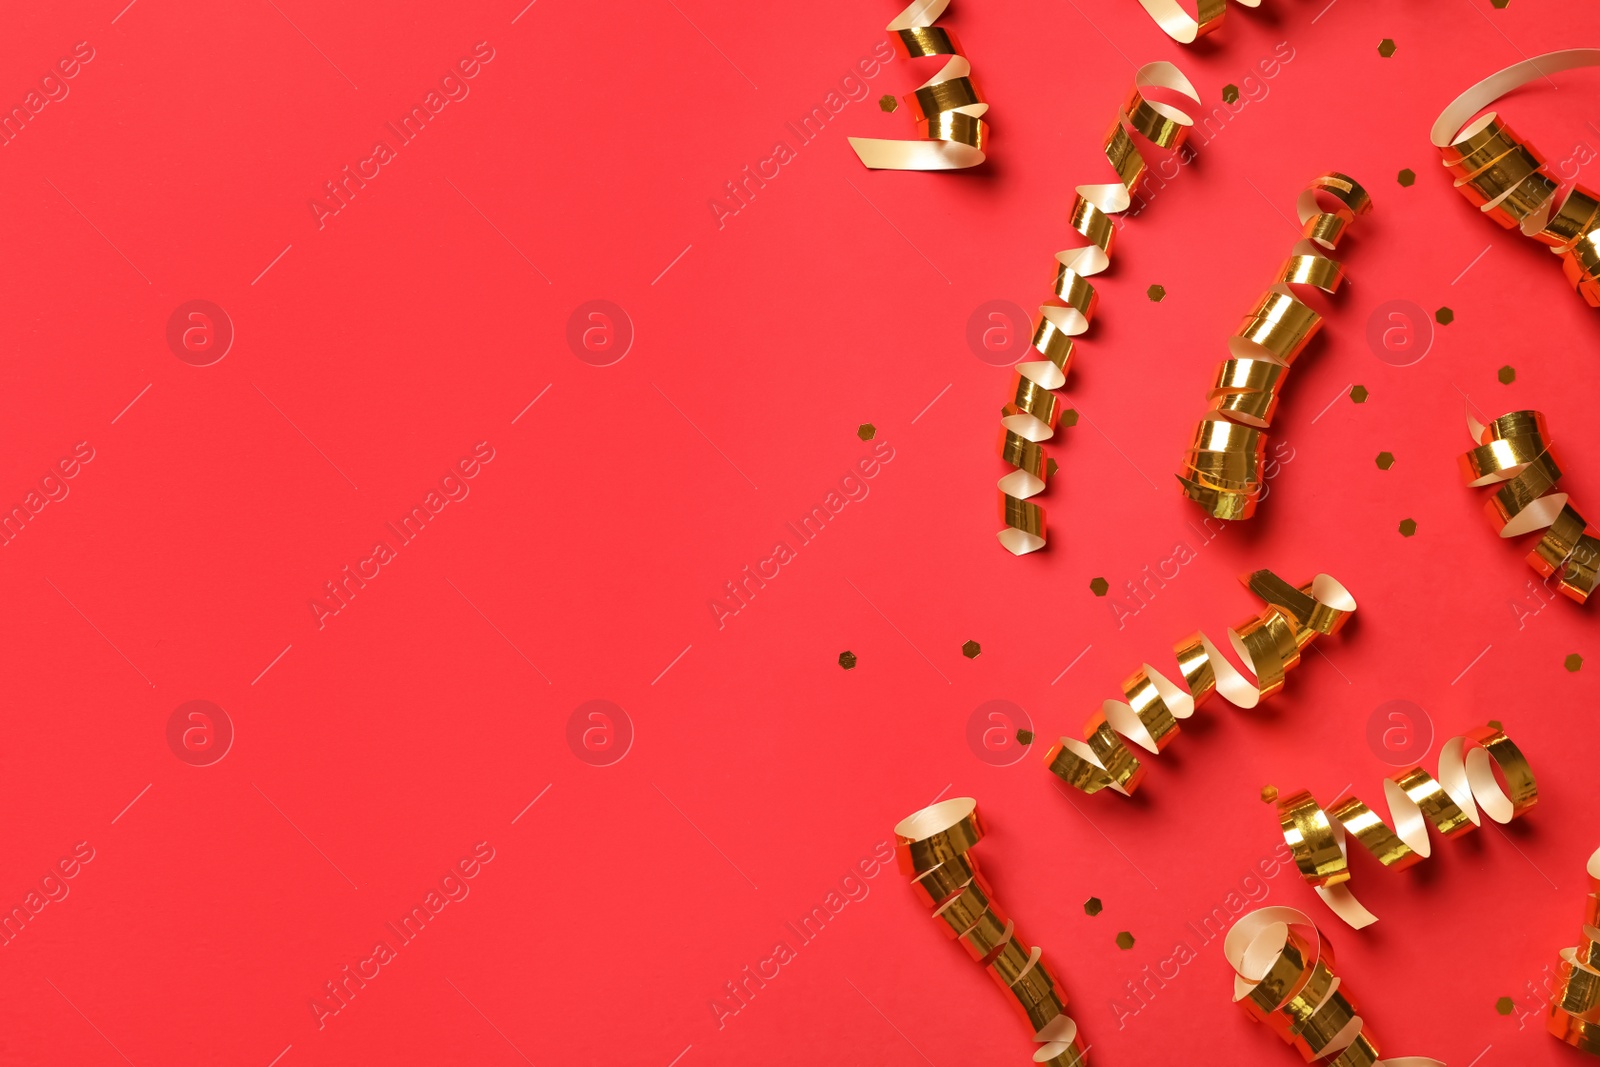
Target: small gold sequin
1574, 662
1444, 316
1092, 906
1385, 460
1359, 394
847, 660
1156, 293
971, 649
1386, 48
887, 102
1507, 374
1124, 941
866, 431
1408, 527
1098, 586
1269, 794
1407, 177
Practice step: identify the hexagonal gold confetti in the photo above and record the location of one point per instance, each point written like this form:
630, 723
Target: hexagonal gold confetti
1386, 48
1359, 394
1155, 293
1230, 93
971, 650
1407, 177
1444, 316
887, 102
847, 660
1124, 940
1504, 1005
1098, 586
1507, 374
1024, 737
1269, 794
1496, 724
1385, 460
1408, 527
1499, 5
1092, 906
1574, 662
1070, 418
866, 431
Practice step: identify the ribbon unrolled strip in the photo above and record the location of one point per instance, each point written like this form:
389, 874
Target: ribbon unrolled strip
933, 846
1185, 28
1031, 415
1514, 454
1284, 977
948, 108
1510, 181
1575, 1008
1222, 470
1269, 643
1450, 803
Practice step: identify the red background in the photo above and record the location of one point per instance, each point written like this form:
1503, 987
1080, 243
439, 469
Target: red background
373, 753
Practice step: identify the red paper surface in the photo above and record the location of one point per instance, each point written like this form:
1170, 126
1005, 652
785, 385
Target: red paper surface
442, 715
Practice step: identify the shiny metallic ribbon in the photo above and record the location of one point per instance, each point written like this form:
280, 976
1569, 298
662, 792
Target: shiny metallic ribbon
1513, 453
1222, 469
1450, 804
1269, 643
947, 106
1183, 27
1284, 977
1510, 181
1575, 1009
933, 847
1030, 416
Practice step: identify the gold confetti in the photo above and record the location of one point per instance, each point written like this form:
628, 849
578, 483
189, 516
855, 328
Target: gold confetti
1156, 293
1444, 316
1508, 180
1386, 48
971, 649
1269, 793
847, 660
1507, 374
1574, 662
1385, 460
1222, 469
1024, 737
1504, 1005
1407, 177
1092, 906
866, 431
1035, 409
887, 102
1575, 1007
1124, 940
1098, 586
947, 106
1359, 394
1408, 527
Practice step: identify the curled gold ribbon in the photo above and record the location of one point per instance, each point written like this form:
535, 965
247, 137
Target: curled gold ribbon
1514, 454
1030, 416
1284, 977
947, 107
1222, 469
1450, 804
1183, 27
1575, 1009
1510, 181
933, 847
1269, 643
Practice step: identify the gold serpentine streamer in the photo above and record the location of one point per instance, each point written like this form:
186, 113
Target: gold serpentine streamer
1510, 181
1269, 643
1284, 977
1513, 453
1416, 799
932, 846
1575, 1009
1030, 417
947, 106
1183, 27
1222, 469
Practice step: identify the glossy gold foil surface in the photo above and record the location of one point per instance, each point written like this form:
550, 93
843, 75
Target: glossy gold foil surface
1574, 1015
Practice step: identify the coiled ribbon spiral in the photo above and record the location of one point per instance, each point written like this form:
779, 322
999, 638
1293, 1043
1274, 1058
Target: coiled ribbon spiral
1222, 469
947, 106
1575, 1008
1513, 453
1183, 27
1510, 181
1283, 976
1269, 644
932, 846
1030, 417
1416, 799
